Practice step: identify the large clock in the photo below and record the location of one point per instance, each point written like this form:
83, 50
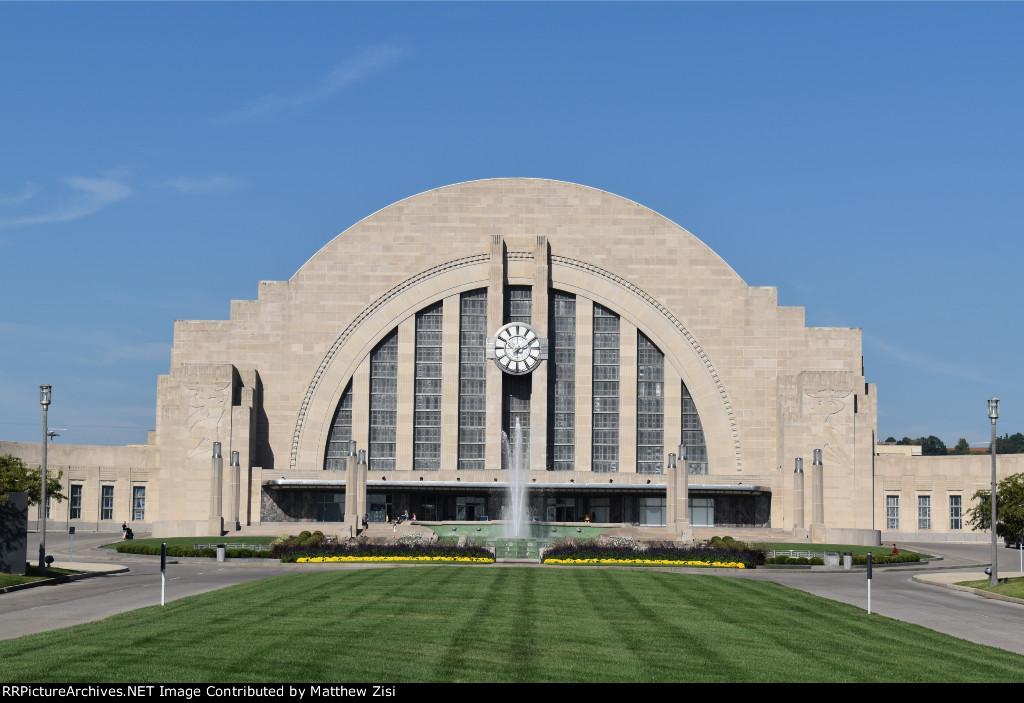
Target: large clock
518, 348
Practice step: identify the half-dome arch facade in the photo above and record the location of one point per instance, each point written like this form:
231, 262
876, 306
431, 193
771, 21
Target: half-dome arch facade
388, 338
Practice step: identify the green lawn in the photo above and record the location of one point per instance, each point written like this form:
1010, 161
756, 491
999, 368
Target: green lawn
1008, 586
852, 548
501, 624
192, 541
32, 574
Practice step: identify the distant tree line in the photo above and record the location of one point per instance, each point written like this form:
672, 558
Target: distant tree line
933, 446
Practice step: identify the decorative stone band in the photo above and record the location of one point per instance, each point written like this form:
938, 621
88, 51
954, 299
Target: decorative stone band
567, 262
325, 363
687, 335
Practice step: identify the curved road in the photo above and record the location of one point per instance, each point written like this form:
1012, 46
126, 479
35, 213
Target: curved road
893, 592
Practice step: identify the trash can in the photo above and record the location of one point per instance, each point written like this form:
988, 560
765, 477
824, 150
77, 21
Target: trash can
847, 560
220, 552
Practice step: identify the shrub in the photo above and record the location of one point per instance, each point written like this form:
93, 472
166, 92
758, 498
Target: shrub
304, 540
367, 550
606, 549
207, 552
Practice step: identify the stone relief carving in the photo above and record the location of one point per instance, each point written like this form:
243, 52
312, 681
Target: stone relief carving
207, 402
828, 399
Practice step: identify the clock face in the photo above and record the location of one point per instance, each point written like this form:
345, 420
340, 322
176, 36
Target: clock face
516, 348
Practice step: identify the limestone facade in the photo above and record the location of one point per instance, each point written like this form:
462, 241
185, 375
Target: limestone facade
651, 341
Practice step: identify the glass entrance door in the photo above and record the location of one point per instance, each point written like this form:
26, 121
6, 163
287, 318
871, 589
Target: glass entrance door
469, 508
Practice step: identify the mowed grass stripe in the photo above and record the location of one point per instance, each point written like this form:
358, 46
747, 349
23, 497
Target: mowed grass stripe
442, 623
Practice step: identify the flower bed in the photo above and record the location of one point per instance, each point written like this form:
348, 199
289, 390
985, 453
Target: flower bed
738, 556
651, 562
335, 553
353, 558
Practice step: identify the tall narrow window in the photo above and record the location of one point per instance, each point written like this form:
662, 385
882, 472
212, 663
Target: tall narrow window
650, 407
341, 432
693, 436
106, 502
605, 451
76, 501
955, 513
892, 512
383, 403
924, 512
138, 503
517, 390
519, 304
427, 414
562, 383
472, 379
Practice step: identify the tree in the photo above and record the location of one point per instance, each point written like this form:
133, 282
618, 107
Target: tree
890, 440
16, 477
962, 447
1010, 444
1009, 508
933, 446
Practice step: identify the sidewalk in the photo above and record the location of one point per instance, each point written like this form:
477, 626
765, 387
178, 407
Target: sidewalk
85, 569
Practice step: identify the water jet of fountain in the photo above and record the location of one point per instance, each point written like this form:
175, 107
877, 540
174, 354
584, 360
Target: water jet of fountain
514, 511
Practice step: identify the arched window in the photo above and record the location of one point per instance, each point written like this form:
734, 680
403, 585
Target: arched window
341, 432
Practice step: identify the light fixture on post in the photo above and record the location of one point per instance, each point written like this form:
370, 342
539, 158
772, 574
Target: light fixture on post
44, 400
993, 415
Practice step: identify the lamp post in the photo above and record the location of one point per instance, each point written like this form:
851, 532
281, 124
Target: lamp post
44, 400
993, 415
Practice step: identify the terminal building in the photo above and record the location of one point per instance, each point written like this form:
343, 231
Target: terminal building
651, 387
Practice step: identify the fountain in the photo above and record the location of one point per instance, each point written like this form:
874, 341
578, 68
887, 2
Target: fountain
514, 512
516, 543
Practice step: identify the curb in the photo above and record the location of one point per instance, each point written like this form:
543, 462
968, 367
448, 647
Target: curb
64, 578
969, 589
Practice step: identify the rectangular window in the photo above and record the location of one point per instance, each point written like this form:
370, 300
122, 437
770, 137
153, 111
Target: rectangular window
702, 512
924, 512
892, 512
562, 384
955, 513
47, 506
426, 454
652, 510
76, 501
384, 403
519, 304
138, 503
650, 401
472, 378
605, 416
107, 503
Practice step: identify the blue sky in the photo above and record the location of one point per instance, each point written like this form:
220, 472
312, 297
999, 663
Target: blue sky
159, 159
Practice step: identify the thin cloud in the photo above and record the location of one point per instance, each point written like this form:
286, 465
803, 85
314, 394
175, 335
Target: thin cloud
932, 365
212, 185
87, 197
15, 200
354, 69
78, 346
